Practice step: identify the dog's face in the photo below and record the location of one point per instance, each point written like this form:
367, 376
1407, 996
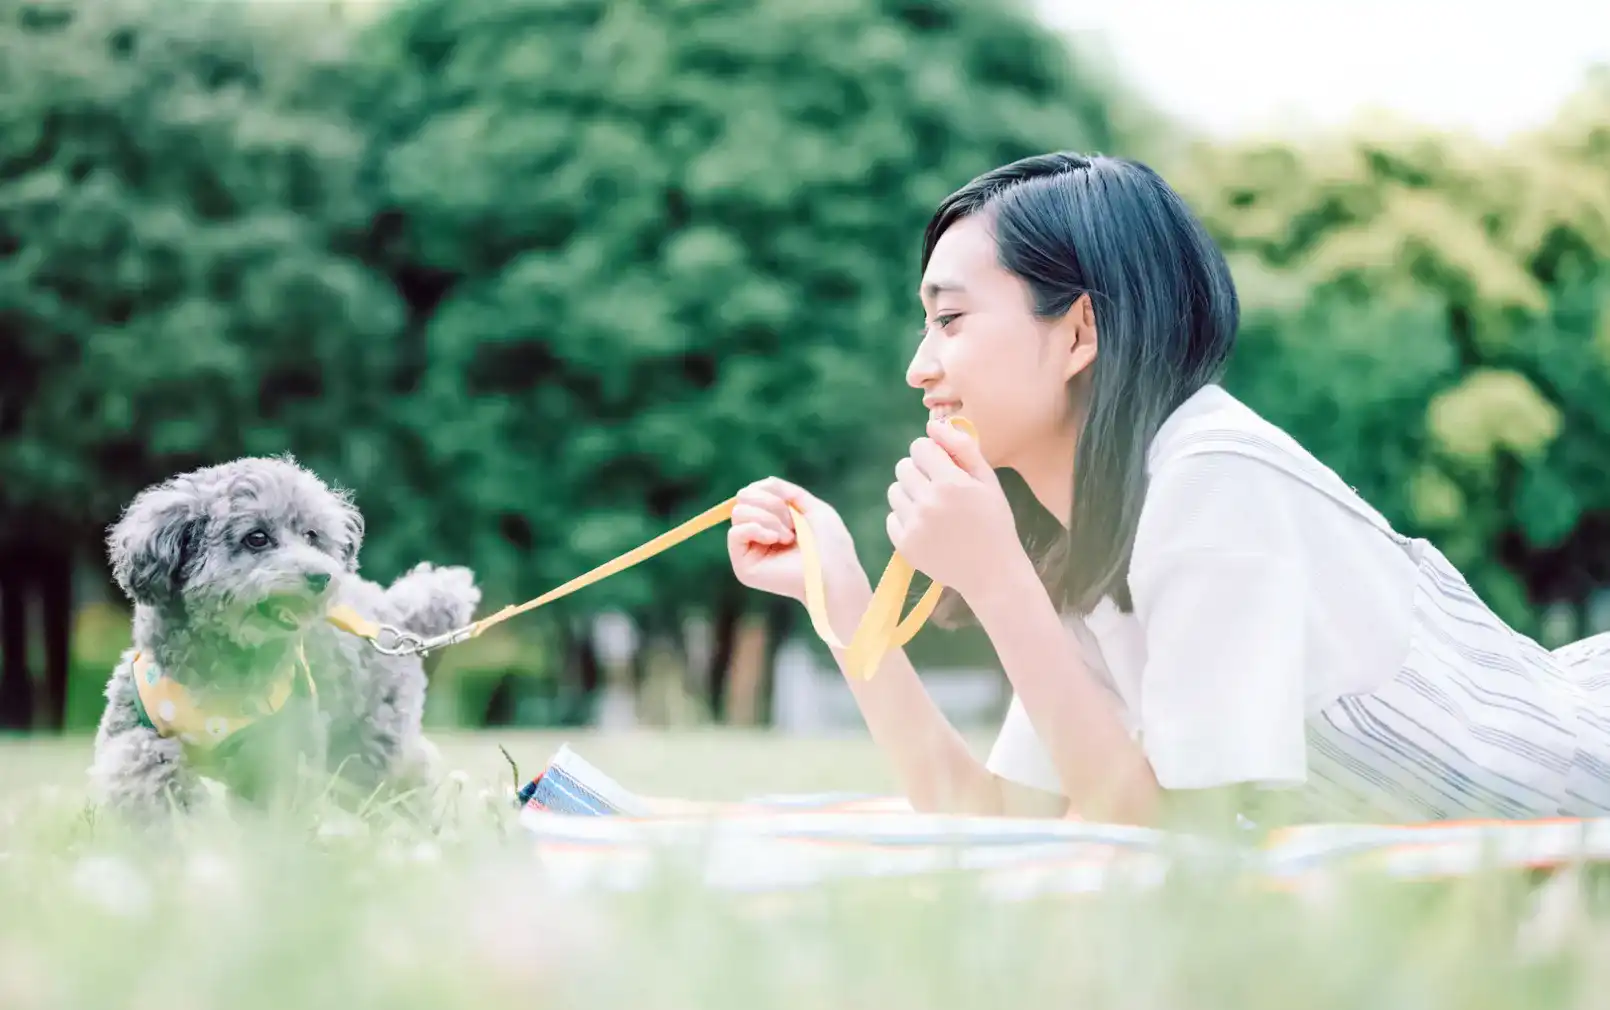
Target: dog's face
251, 549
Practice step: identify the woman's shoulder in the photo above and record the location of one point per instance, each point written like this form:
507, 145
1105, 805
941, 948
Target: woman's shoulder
1214, 439
1213, 420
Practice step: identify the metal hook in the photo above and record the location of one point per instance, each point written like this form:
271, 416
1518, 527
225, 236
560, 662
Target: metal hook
406, 643
402, 643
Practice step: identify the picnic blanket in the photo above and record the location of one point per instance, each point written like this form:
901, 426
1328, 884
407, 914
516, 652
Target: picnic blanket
591, 833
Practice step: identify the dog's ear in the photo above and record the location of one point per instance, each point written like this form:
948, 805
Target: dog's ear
352, 530
153, 542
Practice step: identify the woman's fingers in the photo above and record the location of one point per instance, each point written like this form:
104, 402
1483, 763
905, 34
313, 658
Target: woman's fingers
778, 489
895, 529
932, 459
781, 494
772, 518
786, 491
775, 495
908, 477
747, 534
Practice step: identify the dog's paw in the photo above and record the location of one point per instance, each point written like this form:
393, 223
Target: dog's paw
419, 766
433, 600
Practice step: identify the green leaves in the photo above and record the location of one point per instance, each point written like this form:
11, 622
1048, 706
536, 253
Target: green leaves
679, 244
1425, 312
179, 293
1492, 412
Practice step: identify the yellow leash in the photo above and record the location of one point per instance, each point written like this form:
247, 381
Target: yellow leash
880, 630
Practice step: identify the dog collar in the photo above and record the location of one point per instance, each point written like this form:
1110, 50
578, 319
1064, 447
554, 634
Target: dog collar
170, 708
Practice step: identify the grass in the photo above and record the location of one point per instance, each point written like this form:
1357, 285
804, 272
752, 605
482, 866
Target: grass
270, 914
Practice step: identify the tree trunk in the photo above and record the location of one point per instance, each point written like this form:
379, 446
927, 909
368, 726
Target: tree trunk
781, 616
747, 671
589, 669
729, 608
500, 703
581, 675
16, 679
54, 579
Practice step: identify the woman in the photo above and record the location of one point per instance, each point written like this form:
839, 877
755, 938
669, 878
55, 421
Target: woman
1211, 613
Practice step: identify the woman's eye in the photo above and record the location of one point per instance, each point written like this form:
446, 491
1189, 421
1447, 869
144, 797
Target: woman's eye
946, 320
256, 540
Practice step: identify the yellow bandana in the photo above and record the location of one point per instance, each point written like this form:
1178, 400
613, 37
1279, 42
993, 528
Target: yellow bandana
168, 707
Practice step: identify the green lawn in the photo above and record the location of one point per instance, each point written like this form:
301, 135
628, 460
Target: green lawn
698, 764
269, 915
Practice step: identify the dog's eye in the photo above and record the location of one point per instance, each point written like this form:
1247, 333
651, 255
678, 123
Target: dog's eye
256, 540
313, 537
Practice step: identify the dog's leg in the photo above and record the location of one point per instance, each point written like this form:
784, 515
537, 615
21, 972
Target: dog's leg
418, 765
377, 748
143, 775
377, 742
376, 731
136, 772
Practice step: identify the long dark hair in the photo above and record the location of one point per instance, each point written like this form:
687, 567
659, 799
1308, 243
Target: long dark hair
1166, 311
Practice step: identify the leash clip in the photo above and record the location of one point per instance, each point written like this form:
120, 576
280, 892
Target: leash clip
406, 643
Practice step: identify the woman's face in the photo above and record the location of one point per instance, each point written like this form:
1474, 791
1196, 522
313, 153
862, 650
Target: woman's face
985, 355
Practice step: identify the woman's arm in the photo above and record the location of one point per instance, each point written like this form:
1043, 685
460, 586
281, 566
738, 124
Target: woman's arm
931, 759
1104, 772
936, 769
1222, 598
949, 518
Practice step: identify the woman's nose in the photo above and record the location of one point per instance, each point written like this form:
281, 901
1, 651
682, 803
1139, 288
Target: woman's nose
924, 368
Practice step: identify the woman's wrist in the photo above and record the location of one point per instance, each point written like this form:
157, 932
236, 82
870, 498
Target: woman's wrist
848, 592
1005, 589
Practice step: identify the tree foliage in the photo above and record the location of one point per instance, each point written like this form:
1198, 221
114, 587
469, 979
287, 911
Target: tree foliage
535, 277
173, 196
1427, 312
656, 251
538, 278
175, 191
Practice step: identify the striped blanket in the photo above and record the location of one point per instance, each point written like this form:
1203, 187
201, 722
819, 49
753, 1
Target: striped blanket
592, 834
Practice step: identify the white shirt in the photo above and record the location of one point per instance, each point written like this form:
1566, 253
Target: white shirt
1258, 601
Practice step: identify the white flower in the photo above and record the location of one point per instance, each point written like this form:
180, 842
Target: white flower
211, 870
340, 825
114, 884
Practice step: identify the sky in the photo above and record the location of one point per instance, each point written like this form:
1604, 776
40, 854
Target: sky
1238, 66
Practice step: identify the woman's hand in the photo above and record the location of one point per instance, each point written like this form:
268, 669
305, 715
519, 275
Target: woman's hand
765, 552
949, 517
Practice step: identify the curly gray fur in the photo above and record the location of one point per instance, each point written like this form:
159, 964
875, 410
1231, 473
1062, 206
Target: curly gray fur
227, 567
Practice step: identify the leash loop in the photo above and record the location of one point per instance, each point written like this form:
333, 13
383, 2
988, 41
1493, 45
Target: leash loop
880, 630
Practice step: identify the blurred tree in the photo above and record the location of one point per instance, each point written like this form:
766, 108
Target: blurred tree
654, 251
176, 185
1429, 314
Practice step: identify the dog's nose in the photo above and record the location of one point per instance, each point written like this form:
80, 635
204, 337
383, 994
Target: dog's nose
317, 581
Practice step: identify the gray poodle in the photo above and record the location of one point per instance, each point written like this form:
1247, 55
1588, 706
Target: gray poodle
232, 569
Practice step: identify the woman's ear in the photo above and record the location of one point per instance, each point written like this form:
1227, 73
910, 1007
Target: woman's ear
1076, 337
